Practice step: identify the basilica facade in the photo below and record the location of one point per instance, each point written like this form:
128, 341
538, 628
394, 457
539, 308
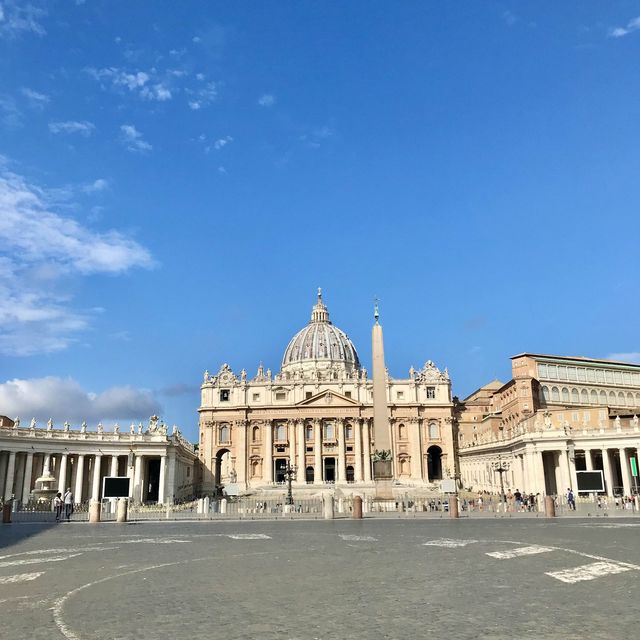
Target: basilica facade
316, 415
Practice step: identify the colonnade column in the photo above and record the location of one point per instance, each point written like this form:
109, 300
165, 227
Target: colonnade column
366, 457
267, 470
95, 488
300, 442
62, 477
291, 435
317, 452
342, 471
587, 460
572, 472
170, 493
28, 471
357, 426
606, 464
416, 449
131, 462
137, 479
77, 494
162, 479
626, 473
11, 469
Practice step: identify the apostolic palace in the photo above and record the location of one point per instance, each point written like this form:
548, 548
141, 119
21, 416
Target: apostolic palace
325, 421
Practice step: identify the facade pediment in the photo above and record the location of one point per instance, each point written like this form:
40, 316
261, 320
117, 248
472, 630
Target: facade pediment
328, 397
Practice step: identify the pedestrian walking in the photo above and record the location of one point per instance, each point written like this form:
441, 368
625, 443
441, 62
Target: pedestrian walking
571, 500
68, 504
57, 505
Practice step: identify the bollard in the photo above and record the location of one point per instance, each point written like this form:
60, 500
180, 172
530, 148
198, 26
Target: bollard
328, 507
6, 513
357, 507
223, 506
549, 507
94, 510
453, 507
122, 510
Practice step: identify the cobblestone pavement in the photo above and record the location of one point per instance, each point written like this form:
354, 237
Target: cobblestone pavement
371, 579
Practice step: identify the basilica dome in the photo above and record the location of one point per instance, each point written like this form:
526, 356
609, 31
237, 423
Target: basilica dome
320, 345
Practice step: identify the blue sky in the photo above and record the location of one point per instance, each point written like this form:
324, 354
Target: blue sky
176, 179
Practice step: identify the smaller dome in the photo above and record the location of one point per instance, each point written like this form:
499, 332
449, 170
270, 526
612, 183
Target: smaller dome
320, 344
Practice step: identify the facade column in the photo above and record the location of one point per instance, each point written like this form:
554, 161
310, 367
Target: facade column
366, 454
572, 472
170, 493
341, 476
300, 442
28, 472
131, 465
114, 466
587, 460
291, 436
416, 450
357, 434
162, 479
95, 488
267, 469
608, 479
137, 479
46, 465
317, 452
241, 431
77, 494
626, 473
11, 469
62, 476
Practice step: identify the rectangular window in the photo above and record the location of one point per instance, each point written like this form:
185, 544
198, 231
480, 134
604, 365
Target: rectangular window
574, 416
224, 395
608, 376
349, 449
562, 372
431, 393
542, 370
603, 414
281, 395
591, 375
308, 394
582, 375
329, 431
309, 449
572, 373
617, 376
400, 395
347, 394
256, 397
586, 416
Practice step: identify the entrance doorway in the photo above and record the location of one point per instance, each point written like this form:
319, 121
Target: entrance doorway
222, 459
434, 463
153, 479
329, 469
280, 468
309, 475
351, 474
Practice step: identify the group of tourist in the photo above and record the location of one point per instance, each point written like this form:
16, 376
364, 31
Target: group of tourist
63, 505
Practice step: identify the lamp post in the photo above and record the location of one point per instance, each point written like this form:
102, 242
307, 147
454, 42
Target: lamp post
501, 467
289, 473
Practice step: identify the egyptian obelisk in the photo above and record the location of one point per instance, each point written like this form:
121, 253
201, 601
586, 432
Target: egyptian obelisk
381, 434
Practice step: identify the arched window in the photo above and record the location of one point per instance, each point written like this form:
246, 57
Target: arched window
308, 432
225, 434
594, 396
584, 397
603, 397
637, 399
329, 431
565, 394
621, 400
281, 433
575, 398
348, 432
434, 431
403, 466
308, 475
555, 394
629, 400
402, 432
612, 399
545, 393
351, 474
255, 434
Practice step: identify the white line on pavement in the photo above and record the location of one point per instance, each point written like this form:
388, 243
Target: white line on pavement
23, 561
515, 553
248, 536
587, 572
448, 543
52, 551
358, 538
20, 577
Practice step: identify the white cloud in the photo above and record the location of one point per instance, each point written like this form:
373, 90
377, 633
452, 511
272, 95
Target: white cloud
266, 100
222, 142
10, 115
64, 399
120, 78
36, 100
222, 170
631, 356
42, 249
17, 18
97, 185
619, 32
83, 127
156, 92
203, 97
133, 139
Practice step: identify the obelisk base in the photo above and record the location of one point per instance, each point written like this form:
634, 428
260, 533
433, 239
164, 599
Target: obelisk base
384, 489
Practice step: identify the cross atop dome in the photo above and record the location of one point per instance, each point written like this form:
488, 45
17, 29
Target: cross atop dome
320, 313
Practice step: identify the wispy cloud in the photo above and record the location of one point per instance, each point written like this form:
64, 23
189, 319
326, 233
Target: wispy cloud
41, 250
631, 356
315, 137
10, 115
97, 185
149, 85
203, 96
35, 99
267, 100
83, 127
619, 32
133, 139
222, 142
17, 18
63, 399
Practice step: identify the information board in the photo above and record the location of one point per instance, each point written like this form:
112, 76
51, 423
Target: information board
115, 486
590, 481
